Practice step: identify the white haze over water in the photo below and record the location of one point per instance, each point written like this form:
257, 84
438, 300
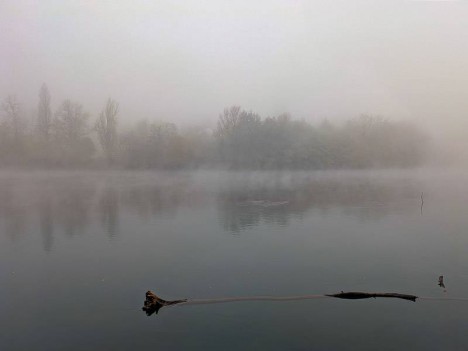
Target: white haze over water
184, 61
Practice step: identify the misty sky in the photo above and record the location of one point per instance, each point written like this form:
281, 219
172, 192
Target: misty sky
184, 61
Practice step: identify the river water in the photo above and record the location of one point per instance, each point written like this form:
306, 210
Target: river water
78, 251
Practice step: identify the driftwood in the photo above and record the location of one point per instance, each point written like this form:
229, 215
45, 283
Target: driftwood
153, 303
354, 295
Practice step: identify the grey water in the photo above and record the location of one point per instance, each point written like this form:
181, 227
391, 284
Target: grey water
78, 251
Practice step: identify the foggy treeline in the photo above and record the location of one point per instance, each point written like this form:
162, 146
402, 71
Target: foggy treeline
67, 136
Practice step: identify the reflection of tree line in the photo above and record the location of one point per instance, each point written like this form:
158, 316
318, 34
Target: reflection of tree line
70, 205
61, 206
248, 205
11, 212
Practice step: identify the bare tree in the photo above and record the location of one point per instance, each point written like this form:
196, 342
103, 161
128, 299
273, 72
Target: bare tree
44, 115
72, 144
11, 110
106, 127
228, 120
70, 121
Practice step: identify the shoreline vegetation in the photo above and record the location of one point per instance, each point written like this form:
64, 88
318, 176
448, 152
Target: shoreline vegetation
241, 140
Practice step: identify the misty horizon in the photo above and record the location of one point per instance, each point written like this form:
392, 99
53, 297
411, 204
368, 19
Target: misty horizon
184, 63
277, 174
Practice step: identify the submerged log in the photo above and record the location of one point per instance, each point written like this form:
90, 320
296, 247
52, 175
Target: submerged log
354, 295
153, 303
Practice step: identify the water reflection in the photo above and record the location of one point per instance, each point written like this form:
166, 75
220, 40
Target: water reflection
46, 220
108, 209
245, 203
73, 207
60, 205
68, 204
12, 211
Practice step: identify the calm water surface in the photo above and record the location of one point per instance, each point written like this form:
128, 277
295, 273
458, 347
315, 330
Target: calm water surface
79, 250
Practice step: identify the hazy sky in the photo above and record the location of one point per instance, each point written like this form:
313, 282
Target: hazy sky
186, 60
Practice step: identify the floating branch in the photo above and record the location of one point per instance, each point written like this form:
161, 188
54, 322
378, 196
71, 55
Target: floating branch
363, 295
153, 303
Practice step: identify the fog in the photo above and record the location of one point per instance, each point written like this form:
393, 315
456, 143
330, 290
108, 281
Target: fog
217, 150
183, 62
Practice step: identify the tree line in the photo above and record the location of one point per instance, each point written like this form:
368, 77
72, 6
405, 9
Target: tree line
241, 140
